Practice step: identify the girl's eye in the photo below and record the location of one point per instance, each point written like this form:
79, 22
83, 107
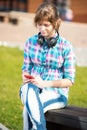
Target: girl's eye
46, 25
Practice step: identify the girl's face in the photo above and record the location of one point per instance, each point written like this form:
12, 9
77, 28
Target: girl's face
46, 29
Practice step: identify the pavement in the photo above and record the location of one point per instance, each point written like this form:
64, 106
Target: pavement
15, 35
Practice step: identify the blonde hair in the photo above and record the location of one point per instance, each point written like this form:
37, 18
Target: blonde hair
47, 11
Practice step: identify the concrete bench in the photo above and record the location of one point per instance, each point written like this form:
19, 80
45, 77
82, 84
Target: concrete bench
2, 127
4, 16
68, 118
13, 17
16, 17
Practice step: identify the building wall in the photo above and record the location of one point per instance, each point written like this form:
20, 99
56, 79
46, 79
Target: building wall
79, 8
32, 5
17, 5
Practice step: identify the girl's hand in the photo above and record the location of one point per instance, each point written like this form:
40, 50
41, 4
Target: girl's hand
25, 79
41, 83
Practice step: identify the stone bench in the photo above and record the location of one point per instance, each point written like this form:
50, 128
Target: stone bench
2, 127
16, 17
4, 16
68, 118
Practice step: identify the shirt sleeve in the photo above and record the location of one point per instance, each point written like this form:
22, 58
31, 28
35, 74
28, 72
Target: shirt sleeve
69, 63
27, 64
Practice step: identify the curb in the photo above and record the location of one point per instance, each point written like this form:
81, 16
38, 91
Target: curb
3, 127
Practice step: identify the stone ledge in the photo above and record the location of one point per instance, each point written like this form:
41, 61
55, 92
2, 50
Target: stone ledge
3, 127
4, 16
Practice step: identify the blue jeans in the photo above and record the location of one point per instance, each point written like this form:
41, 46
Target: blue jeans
36, 103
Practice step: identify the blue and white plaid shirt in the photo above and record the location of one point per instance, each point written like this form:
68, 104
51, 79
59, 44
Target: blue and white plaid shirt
50, 63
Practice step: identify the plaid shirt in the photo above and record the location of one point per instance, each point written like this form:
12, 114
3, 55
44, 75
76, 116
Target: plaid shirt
50, 63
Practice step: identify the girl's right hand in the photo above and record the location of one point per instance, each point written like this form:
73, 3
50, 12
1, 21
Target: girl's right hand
25, 79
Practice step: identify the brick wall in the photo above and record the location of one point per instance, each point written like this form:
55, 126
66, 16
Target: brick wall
79, 8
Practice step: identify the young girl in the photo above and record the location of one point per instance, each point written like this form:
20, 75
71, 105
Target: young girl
48, 69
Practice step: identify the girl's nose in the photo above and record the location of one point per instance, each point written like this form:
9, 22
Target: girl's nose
42, 28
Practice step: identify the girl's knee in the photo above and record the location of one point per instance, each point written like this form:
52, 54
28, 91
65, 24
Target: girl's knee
23, 92
34, 87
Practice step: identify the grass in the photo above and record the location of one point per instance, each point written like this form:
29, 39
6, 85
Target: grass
10, 81
78, 93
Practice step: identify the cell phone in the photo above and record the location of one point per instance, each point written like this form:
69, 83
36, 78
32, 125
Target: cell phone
29, 76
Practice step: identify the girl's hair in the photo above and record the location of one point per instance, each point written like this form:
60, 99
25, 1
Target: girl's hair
47, 11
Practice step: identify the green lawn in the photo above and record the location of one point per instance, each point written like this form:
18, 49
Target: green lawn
10, 80
78, 93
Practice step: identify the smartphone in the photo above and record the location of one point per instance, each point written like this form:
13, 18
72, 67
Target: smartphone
29, 76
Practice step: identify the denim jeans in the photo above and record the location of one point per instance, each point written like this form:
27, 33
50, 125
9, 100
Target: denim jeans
36, 103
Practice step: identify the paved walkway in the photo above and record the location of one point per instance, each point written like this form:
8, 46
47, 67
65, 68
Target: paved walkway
16, 35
